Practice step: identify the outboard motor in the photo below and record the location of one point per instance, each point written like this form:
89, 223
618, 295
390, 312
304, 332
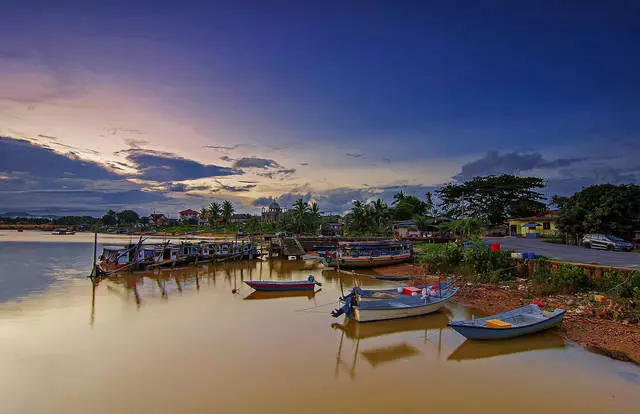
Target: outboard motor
313, 280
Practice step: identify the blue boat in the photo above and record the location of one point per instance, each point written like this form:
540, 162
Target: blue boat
525, 320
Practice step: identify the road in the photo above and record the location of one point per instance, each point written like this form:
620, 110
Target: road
569, 253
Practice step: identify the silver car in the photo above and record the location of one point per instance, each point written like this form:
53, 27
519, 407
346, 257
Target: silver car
607, 242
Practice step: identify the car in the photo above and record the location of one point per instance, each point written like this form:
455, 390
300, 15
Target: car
606, 241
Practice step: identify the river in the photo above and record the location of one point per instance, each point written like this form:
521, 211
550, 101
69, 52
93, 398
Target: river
179, 341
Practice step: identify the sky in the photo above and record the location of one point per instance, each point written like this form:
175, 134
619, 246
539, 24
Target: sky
165, 105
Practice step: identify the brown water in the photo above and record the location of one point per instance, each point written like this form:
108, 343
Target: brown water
181, 342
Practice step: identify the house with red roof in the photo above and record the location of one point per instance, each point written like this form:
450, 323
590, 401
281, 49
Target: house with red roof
189, 215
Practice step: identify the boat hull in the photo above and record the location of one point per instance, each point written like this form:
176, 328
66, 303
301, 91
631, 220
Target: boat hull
485, 334
371, 315
266, 286
366, 261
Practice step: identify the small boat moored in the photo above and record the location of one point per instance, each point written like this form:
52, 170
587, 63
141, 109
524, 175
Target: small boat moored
276, 285
521, 321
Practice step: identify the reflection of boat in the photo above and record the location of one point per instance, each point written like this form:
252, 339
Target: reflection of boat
277, 285
280, 294
389, 353
521, 321
404, 307
355, 330
482, 349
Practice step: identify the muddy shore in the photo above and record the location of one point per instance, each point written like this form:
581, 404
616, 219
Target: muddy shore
618, 340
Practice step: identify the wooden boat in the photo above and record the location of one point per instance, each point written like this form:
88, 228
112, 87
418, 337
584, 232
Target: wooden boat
403, 307
525, 320
351, 255
63, 232
276, 285
469, 350
393, 293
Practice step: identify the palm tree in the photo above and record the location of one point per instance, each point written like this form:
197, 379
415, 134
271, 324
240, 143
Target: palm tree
398, 196
314, 215
227, 211
300, 211
380, 215
214, 213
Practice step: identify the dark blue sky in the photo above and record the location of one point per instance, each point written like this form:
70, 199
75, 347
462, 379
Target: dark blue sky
400, 83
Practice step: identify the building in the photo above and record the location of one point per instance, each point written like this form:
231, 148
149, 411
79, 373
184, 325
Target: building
542, 225
189, 216
273, 213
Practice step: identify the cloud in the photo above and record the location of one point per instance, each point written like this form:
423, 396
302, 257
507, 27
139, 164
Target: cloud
233, 189
252, 162
304, 163
164, 166
136, 143
354, 155
44, 165
225, 158
510, 163
262, 201
223, 148
281, 174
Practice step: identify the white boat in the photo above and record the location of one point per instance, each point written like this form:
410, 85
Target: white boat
404, 307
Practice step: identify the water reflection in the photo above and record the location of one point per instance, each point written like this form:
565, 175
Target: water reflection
356, 332
469, 349
256, 295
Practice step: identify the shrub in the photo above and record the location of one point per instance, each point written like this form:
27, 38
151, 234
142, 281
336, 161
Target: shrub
440, 257
566, 279
624, 285
487, 266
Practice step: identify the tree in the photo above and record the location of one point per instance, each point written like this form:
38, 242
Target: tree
314, 216
127, 217
605, 208
110, 218
227, 211
300, 210
406, 207
429, 205
144, 220
492, 198
466, 227
558, 200
213, 213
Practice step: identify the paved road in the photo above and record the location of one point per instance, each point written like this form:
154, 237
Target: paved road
570, 253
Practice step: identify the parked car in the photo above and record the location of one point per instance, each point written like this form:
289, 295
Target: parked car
607, 242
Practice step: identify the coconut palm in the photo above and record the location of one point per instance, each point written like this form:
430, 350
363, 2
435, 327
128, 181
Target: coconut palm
300, 212
213, 214
227, 211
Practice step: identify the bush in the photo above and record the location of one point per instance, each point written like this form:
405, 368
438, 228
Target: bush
487, 266
440, 257
621, 284
566, 279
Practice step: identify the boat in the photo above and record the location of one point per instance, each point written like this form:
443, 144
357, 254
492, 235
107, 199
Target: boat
276, 285
521, 321
63, 232
377, 294
402, 307
351, 255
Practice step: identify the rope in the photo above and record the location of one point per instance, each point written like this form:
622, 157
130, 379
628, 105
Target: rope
335, 302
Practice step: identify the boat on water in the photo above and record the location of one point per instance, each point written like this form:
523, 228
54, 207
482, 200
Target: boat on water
351, 255
289, 285
403, 307
517, 322
63, 232
395, 293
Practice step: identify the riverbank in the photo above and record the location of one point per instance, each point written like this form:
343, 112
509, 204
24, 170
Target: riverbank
617, 339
